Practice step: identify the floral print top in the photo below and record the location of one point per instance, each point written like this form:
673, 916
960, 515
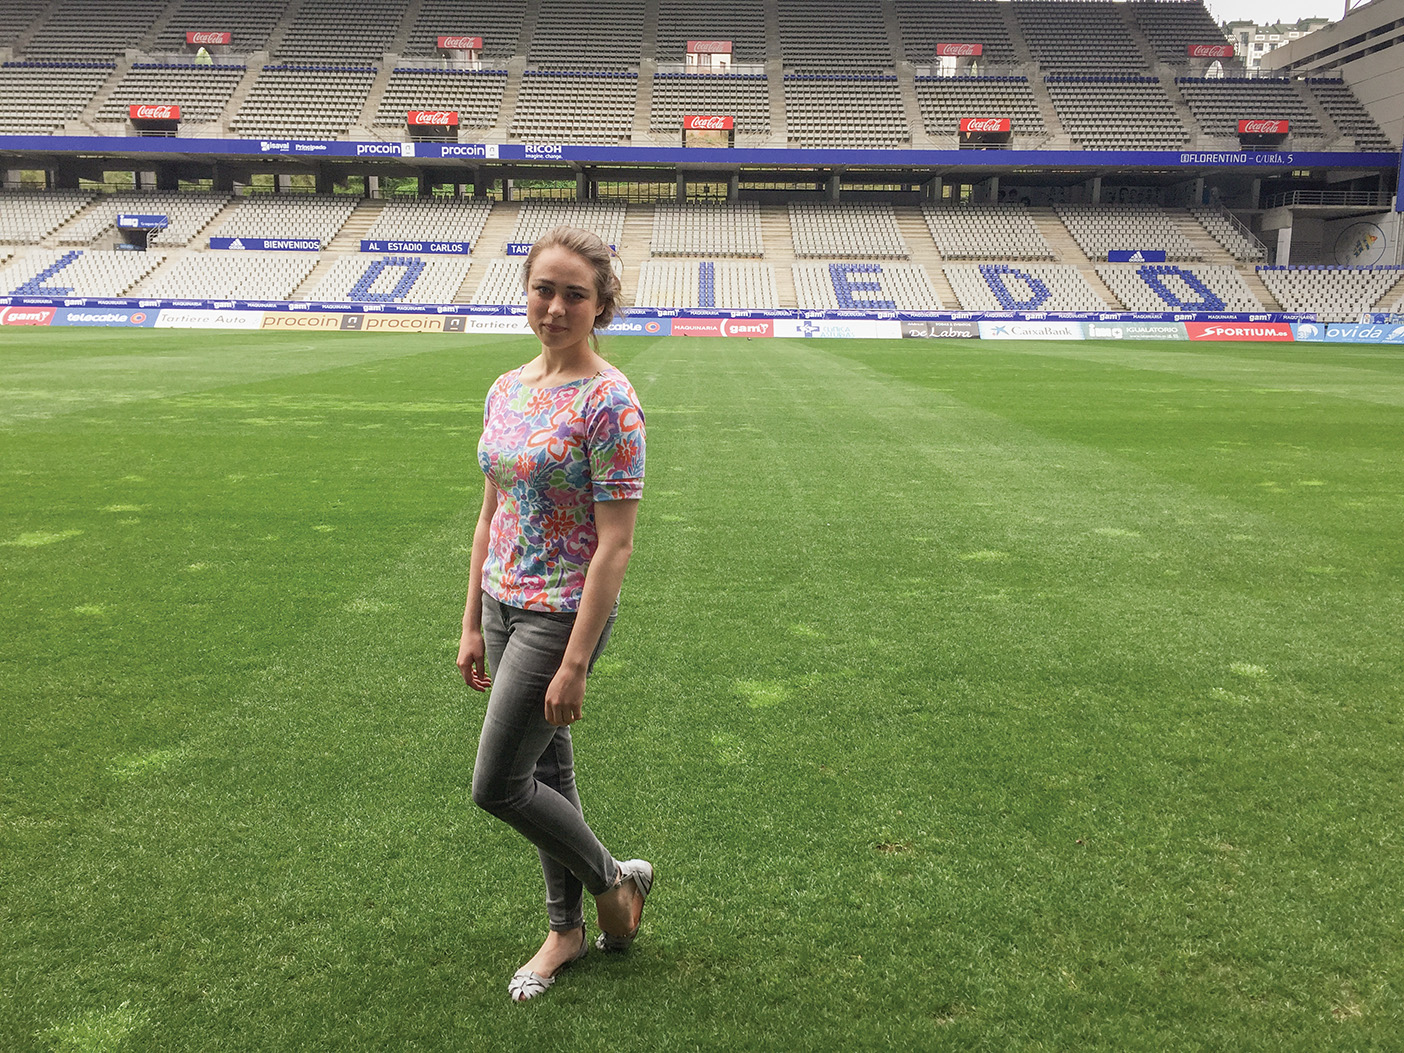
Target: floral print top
552, 453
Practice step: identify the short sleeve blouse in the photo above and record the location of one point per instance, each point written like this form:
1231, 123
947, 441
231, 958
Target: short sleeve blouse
552, 453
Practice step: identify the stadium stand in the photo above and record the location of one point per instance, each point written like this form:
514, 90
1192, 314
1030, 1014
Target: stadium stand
537, 217
829, 109
864, 286
235, 275
745, 97
77, 30
431, 219
502, 284
250, 22
326, 32
1335, 294
706, 230
77, 272
706, 283
201, 92
29, 216
392, 279
39, 98
1098, 229
498, 23
1236, 239
740, 21
304, 216
925, 23
834, 34
945, 100
609, 32
1219, 103
189, 212
475, 94
304, 101
985, 232
1078, 36
576, 106
16, 17
1178, 287
1347, 114
865, 231
1170, 25
1122, 112
1026, 287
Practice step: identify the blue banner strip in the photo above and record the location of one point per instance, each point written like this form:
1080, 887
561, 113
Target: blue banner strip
607, 154
417, 248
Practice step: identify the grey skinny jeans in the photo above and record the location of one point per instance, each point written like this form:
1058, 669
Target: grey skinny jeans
525, 771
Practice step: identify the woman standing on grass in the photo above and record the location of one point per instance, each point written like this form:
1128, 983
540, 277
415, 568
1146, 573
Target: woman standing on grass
563, 452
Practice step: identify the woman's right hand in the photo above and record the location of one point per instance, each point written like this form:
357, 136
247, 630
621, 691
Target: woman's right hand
472, 660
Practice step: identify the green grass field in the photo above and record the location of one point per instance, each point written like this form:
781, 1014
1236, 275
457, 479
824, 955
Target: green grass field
966, 696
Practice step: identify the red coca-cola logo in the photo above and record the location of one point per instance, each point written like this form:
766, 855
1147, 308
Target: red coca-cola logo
959, 50
442, 118
461, 43
204, 37
709, 47
1263, 127
1210, 50
147, 112
697, 122
985, 124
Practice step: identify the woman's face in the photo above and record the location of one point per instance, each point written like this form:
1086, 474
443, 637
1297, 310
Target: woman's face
561, 299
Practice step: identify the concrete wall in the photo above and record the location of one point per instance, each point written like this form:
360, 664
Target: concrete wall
1375, 78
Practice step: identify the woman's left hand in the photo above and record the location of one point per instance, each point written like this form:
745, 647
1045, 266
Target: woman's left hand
565, 697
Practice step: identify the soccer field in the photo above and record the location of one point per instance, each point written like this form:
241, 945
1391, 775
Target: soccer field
966, 695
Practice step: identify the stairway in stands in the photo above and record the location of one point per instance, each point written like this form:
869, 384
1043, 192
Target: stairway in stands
779, 251
491, 245
912, 225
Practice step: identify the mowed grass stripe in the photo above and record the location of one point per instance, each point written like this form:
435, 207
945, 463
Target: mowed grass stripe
929, 749
82, 370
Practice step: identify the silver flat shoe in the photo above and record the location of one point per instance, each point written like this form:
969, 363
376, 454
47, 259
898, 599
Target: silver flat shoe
526, 985
640, 872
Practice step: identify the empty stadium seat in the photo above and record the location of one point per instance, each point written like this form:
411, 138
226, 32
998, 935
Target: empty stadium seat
1022, 287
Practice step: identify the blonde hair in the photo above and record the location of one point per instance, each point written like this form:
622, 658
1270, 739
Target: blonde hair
590, 248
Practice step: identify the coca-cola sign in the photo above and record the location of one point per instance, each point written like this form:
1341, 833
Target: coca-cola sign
985, 124
959, 50
1263, 127
708, 122
1209, 50
200, 36
439, 118
461, 43
709, 47
147, 112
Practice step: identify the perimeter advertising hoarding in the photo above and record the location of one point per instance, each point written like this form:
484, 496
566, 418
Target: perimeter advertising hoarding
203, 318
1031, 331
833, 329
104, 317
640, 327
26, 315
1271, 331
147, 146
942, 330
1134, 330
1348, 333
